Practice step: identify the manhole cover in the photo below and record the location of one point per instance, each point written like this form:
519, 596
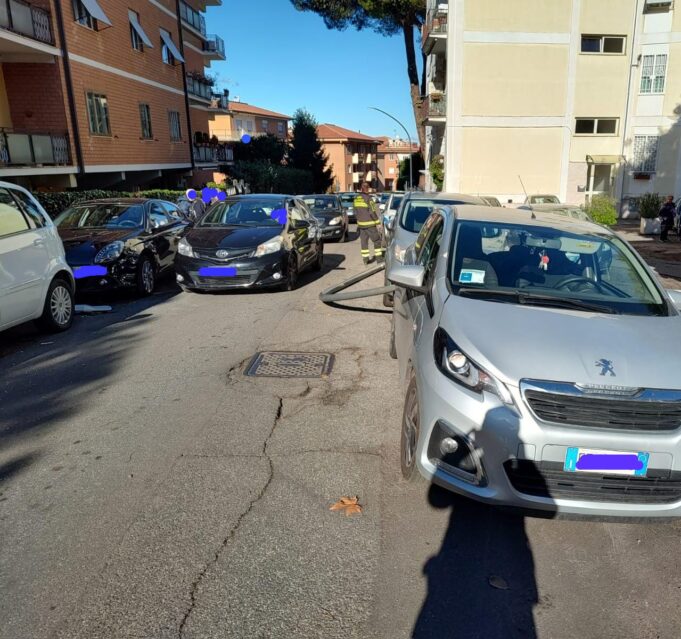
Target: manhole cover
277, 364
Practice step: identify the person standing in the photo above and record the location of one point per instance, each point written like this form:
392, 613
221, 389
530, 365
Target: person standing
667, 213
367, 223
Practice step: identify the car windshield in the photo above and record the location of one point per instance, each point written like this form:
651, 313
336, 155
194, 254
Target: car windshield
395, 203
102, 216
347, 200
544, 199
416, 212
320, 203
249, 212
551, 267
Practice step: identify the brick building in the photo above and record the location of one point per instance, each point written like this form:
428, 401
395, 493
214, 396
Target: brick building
107, 93
352, 156
391, 151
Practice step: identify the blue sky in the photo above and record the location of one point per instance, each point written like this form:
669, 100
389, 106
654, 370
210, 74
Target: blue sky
282, 59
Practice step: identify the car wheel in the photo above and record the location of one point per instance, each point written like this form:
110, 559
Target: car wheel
410, 432
392, 350
146, 276
58, 310
291, 274
319, 262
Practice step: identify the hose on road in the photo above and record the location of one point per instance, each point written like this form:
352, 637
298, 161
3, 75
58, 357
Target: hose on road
334, 294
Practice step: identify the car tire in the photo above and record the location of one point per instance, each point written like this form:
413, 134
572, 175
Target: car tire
392, 349
59, 308
146, 276
319, 261
291, 274
409, 432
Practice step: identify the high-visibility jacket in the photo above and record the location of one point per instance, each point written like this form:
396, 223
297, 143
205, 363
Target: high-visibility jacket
365, 211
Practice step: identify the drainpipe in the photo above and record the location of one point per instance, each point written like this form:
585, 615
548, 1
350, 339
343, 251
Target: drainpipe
184, 84
69, 87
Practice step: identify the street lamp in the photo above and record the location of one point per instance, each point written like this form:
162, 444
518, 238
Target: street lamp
392, 117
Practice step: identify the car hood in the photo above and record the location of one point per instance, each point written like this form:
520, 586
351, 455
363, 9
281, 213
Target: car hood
326, 216
517, 342
239, 237
81, 245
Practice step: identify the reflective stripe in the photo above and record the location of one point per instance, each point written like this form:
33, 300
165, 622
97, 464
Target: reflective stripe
372, 223
378, 251
364, 251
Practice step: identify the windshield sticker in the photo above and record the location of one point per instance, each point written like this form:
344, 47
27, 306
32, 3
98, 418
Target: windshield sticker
471, 276
279, 215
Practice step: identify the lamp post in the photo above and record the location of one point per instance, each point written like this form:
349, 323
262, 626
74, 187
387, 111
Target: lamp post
408, 137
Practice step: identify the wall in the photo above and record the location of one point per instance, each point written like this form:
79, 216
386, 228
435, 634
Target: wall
518, 15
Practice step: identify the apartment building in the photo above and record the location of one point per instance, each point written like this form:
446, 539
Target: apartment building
352, 155
573, 97
107, 93
248, 119
391, 152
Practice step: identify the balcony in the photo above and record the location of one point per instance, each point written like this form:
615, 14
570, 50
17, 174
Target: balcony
355, 178
219, 101
192, 18
355, 158
200, 86
19, 18
205, 154
33, 149
434, 31
234, 135
435, 107
214, 47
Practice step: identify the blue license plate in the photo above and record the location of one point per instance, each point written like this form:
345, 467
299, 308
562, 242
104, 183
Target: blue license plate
217, 271
612, 462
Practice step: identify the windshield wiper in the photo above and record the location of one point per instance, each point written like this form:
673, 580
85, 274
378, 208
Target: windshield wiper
530, 299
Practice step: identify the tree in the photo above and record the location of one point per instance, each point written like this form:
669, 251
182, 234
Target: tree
268, 147
306, 152
416, 168
387, 17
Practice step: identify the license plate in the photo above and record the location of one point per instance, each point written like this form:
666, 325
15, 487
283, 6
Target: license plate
217, 271
612, 462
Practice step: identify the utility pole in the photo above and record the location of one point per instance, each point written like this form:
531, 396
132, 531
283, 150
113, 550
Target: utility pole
392, 117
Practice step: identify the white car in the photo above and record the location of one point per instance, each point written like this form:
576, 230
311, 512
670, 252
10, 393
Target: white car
36, 283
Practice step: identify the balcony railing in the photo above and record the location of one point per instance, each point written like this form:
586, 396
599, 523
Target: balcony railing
234, 135
192, 17
200, 86
215, 44
436, 22
436, 106
25, 19
33, 149
213, 154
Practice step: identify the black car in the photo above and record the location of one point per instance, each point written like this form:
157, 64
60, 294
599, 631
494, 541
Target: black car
120, 243
348, 203
332, 217
252, 240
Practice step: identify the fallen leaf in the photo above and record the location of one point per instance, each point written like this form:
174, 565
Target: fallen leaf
348, 505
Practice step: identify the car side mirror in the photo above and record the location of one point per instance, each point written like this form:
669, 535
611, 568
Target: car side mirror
391, 223
408, 276
675, 297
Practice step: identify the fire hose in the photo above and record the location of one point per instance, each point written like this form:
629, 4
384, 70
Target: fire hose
334, 294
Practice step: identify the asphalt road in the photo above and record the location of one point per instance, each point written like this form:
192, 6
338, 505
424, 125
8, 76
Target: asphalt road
149, 489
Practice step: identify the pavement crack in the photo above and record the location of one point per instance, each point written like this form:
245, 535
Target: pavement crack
235, 528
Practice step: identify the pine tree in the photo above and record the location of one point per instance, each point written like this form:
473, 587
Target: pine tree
306, 151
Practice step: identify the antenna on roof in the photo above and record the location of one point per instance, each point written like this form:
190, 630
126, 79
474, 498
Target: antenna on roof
527, 198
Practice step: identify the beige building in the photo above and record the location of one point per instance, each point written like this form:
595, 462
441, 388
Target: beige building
248, 119
352, 156
574, 97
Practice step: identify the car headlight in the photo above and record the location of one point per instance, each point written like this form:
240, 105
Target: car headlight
336, 221
271, 246
185, 248
110, 252
460, 368
398, 253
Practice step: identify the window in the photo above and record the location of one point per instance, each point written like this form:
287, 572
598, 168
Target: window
158, 216
135, 38
11, 219
83, 16
239, 125
172, 211
30, 208
596, 126
280, 128
603, 44
166, 54
428, 243
98, 114
174, 123
645, 153
392, 157
249, 125
265, 124
653, 73
145, 121
349, 168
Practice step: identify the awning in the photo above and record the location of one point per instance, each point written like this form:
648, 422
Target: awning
168, 41
604, 159
138, 28
93, 8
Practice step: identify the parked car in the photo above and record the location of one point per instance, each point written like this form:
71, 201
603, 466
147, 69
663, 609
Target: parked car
490, 201
567, 210
382, 199
542, 199
390, 209
36, 283
253, 241
331, 215
540, 376
406, 225
348, 203
121, 243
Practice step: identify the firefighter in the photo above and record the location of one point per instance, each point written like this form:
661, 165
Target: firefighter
368, 223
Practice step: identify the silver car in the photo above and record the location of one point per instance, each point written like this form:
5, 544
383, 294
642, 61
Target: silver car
539, 359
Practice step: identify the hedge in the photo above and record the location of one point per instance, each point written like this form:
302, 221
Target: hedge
55, 203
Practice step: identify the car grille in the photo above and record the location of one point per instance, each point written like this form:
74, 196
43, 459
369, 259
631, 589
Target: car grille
647, 411
209, 254
548, 480
221, 282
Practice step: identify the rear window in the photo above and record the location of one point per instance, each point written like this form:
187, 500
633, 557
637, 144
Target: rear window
416, 212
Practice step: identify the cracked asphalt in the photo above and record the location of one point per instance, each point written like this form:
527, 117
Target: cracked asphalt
148, 489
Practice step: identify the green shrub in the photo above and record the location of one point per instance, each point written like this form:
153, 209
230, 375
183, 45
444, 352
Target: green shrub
649, 205
437, 171
602, 210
